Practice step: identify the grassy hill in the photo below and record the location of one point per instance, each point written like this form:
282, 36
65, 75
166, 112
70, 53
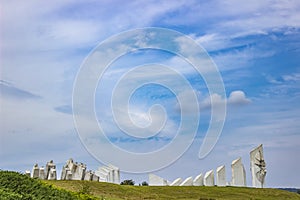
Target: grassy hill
17, 186
116, 192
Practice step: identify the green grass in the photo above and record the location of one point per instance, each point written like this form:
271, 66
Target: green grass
14, 186
116, 192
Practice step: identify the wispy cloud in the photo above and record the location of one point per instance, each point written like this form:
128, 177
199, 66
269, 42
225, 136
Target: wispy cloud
9, 90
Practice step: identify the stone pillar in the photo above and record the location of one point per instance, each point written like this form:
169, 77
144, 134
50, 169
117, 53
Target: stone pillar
95, 177
176, 182
35, 171
258, 167
187, 182
52, 174
64, 171
115, 174
109, 174
50, 165
221, 176
155, 180
69, 175
103, 174
238, 173
88, 176
209, 179
198, 181
79, 171
42, 174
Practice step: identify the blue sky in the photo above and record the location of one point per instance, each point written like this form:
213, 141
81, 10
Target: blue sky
255, 46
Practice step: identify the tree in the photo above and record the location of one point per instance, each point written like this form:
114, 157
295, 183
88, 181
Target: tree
127, 182
144, 183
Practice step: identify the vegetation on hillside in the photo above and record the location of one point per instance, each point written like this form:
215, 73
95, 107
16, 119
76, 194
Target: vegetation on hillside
111, 191
14, 186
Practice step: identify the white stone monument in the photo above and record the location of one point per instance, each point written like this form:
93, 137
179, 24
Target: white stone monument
95, 177
79, 171
176, 182
209, 179
115, 171
50, 165
103, 174
155, 180
42, 174
68, 175
238, 173
221, 176
66, 172
258, 167
109, 174
73, 171
187, 182
52, 174
88, 176
198, 181
35, 171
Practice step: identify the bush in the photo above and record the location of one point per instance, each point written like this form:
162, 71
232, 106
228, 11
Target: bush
14, 185
144, 183
127, 182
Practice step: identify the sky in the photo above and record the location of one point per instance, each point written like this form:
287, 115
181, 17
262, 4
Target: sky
254, 46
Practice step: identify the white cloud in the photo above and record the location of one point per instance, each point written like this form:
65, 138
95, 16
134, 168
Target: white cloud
292, 77
237, 98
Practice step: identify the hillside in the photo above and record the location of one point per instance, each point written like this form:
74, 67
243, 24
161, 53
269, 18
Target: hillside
14, 186
115, 192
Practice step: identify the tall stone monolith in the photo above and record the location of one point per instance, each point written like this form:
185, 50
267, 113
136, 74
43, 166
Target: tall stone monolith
258, 167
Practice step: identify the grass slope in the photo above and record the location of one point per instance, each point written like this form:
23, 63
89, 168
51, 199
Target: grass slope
15, 186
116, 192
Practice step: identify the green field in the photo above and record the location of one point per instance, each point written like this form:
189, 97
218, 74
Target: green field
16, 186
113, 192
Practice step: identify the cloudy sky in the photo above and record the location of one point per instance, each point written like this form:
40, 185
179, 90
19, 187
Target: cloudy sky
255, 47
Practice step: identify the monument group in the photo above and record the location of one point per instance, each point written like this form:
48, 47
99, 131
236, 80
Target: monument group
111, 174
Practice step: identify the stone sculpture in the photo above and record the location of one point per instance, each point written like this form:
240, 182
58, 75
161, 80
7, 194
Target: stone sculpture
258, 167
73, 171
238, 173
209, 179
187, 182
221, 176
109, 174
88, 176
198, 181
67, 170
176, 182
52, 174
35, 171
95, 177
79, 172
115, 174
155, 180
42, 174
50, 170
103, 174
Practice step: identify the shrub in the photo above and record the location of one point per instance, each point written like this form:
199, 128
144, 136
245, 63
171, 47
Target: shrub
127, 182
